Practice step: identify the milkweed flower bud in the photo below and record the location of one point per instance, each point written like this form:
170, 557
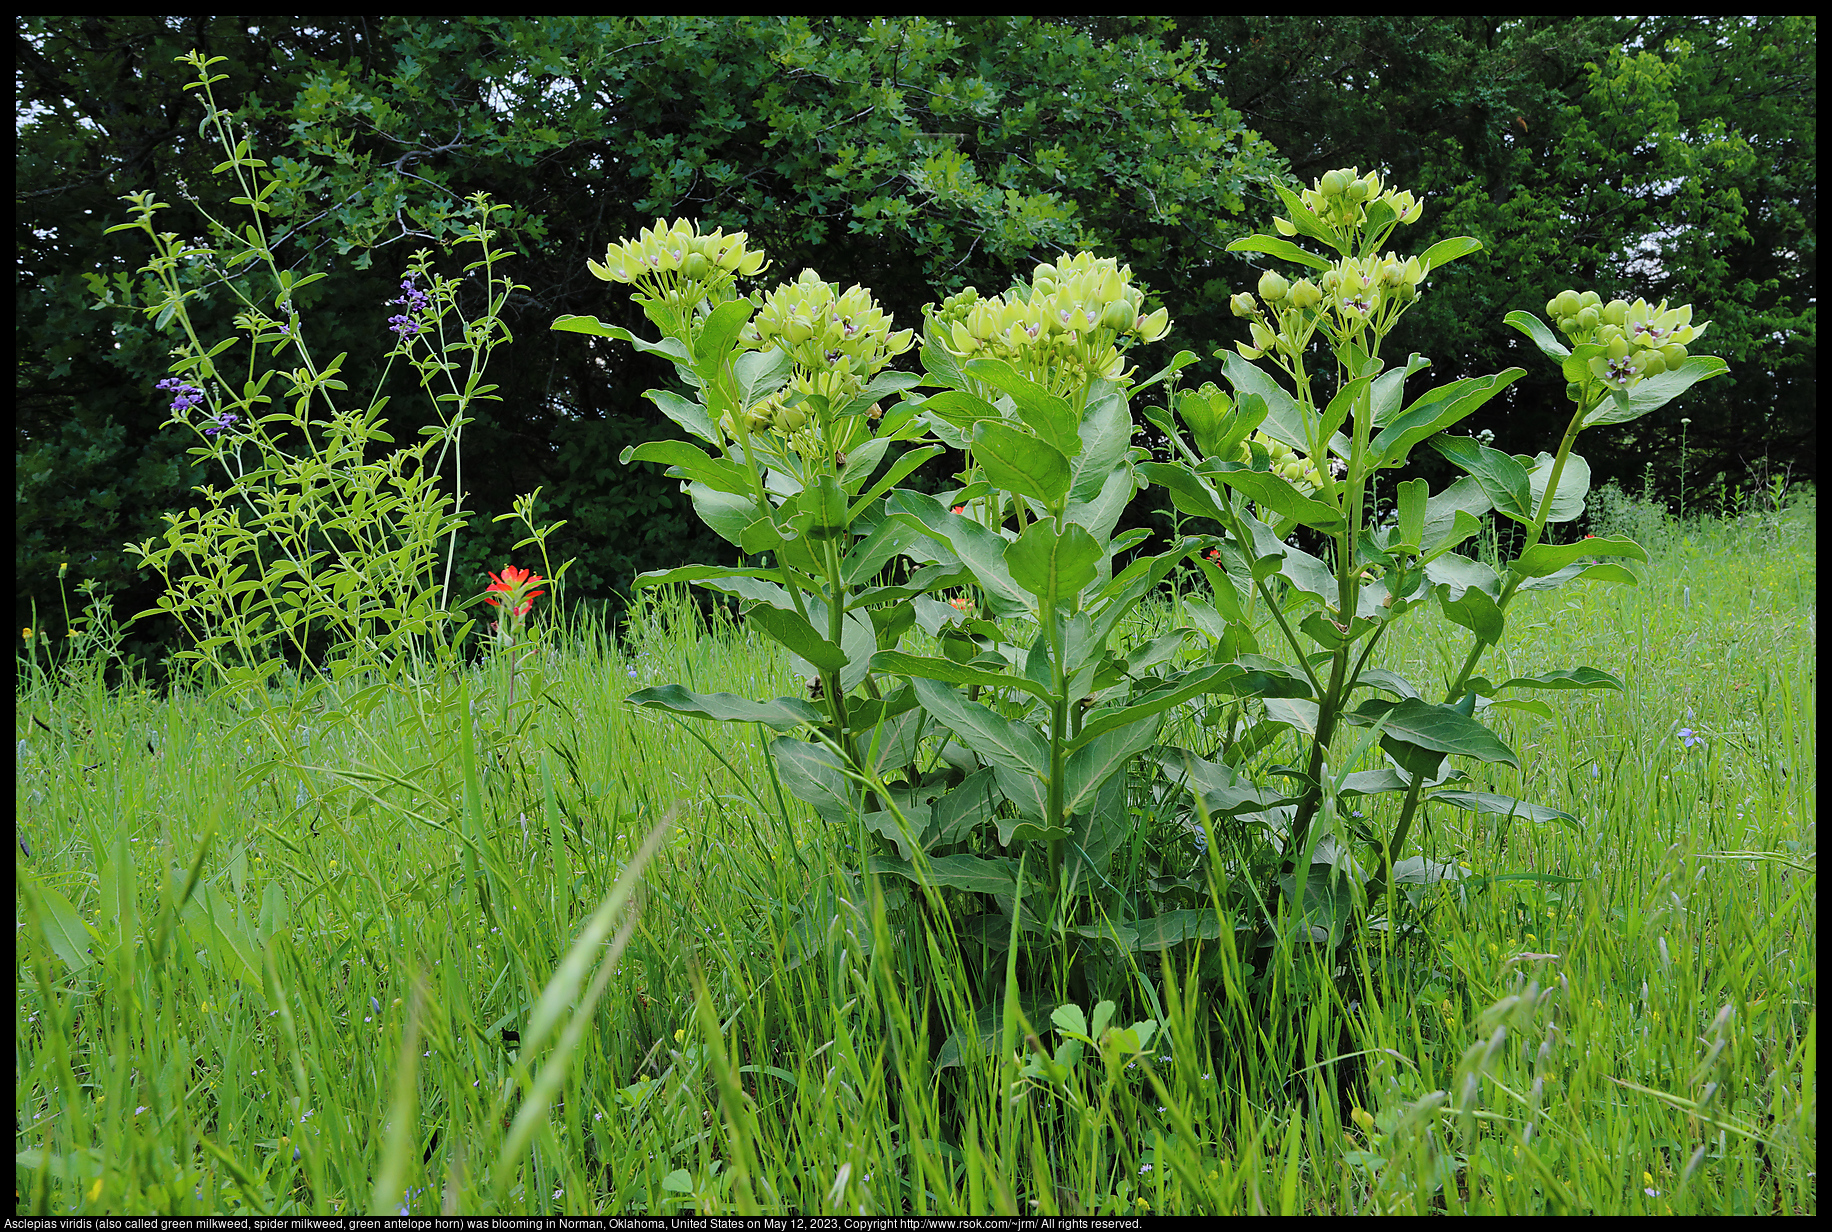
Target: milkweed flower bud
1273, 287
1304, 294
1243, 305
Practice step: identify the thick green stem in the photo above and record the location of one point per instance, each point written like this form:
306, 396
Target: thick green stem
1409, 809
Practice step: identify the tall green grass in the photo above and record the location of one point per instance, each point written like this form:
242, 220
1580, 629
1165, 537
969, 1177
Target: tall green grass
571, 957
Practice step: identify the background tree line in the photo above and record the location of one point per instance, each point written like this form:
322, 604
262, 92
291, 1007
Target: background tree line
1647, 156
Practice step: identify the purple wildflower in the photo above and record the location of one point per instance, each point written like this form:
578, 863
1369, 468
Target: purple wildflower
220, 423
1690, 737
184, 396
406, 325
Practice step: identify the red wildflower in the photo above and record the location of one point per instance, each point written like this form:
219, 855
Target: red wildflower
515, 583
960, 509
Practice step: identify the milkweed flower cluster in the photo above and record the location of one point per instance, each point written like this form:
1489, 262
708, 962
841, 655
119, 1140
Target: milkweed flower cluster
1354, 214
1639, 340
838, 339
1345, 200
1071, 324
673, 268
1286, 462
1356, 291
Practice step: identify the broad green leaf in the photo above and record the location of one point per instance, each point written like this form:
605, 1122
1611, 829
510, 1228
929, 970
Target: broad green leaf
672, 348
1274, 492
1576, 369
1537, 709
869, 555
1004, 743
1541, 334
981, 1037
1097, 832
798, 636
685, 412
1106, 435
815, 775
1069, 1019
1573, 486
1467, 591
1309, 575
889, 381
726, 513
1503, 479
1390, 388
902, 831
1019, 462
1051, 417
1273, 246
825, 506
1348, 397
1234, 679
751, 585
950, 672
1372, 782
783, 713
981, 550
964, 807
1652, 393
906, 462
1231, 585
1453, 515
960, 409
1327, 902
1435, 411
1108, 753
1544, 559
1566, 678
1441, 729
997, 876
1503, 806
760, 374
1204, 416
1101, 512
1599, 571
1053, 566
1411, 497
1285, 419
1445, 251
687, 461
717, 333
1189, 492
1175, 927
1417, 870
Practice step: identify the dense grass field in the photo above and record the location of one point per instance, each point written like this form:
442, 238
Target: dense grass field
573, 957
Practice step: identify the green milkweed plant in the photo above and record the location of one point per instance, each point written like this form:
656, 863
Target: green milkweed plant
996, 765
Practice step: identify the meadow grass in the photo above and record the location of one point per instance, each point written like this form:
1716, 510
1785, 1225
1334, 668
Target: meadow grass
565, 956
